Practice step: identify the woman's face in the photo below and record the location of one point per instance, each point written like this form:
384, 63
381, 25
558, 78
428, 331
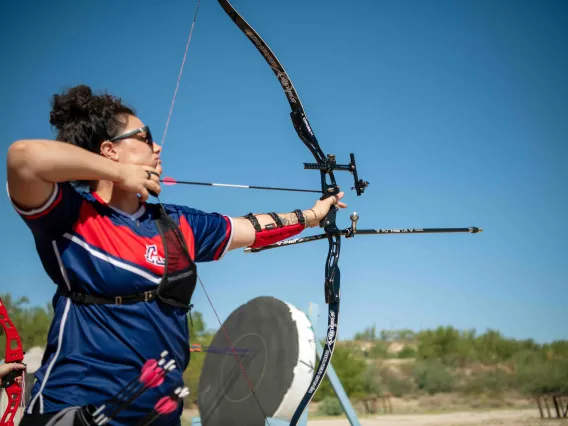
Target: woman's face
134, 145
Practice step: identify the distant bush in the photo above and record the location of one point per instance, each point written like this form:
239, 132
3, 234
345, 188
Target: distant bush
350, 368
547, 377
558, 348
396, 385
527, 357
379, 350
407, 352
495, 382
372, 382
330, 406
432, 377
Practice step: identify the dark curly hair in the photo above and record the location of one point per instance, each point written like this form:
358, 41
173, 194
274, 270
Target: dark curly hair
86, 120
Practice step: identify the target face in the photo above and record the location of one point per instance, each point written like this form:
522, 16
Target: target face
274, 342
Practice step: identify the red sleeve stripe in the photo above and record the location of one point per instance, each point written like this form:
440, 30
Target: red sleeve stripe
53, 201
187, 232
224, 246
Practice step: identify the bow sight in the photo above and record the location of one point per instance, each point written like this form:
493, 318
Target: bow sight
329, 165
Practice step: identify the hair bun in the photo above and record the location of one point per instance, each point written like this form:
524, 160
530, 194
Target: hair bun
75, 104
86, 119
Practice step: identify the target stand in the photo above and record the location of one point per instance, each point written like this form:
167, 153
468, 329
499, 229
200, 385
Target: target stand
276, 345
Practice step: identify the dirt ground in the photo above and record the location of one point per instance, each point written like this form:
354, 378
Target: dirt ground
527, 417
517, 417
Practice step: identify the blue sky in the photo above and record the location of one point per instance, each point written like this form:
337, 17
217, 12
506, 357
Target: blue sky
456, 111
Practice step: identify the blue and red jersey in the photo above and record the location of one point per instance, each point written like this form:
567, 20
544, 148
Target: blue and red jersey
89, 247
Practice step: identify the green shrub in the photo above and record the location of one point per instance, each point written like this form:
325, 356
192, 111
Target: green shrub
397, 386
379, 350
330, 406
547, 377
372, 381
407, 352
495, 382
432, 377
528, 357
350, 369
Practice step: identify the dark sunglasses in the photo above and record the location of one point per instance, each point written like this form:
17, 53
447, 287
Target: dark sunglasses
149, 140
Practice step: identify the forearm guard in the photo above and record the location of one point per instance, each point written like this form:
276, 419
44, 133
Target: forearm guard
275, 232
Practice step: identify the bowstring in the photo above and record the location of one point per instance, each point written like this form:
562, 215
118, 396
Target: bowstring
226, 335
179, 75
234, 351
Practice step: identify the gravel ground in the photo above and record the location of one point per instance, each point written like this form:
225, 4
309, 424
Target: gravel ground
488, 418
518, 417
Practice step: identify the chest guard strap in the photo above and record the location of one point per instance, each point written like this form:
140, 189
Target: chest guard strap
88, 299
180, 275
178, 282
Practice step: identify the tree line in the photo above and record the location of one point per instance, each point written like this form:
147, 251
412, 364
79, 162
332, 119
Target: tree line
446, 359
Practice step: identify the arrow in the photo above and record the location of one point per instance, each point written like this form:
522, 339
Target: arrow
172, 181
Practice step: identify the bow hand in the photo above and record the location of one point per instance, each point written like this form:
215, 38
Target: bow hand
10, 372
326, 206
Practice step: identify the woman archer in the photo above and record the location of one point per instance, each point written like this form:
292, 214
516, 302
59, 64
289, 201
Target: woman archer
124, 268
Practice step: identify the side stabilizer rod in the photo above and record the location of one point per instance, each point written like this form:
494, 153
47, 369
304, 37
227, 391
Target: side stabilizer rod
352, 231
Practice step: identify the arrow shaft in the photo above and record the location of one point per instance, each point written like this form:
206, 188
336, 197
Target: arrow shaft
229, 185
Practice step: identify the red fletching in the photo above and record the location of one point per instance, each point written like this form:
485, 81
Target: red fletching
149, 372
152, 378
169, 181
157, 380
149, 365
166, 405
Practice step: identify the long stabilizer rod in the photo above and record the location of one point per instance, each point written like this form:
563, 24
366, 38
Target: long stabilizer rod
352, 231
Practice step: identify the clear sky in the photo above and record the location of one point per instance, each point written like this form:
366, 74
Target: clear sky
457, 113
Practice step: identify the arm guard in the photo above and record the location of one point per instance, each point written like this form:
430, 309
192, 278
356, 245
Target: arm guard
275, 232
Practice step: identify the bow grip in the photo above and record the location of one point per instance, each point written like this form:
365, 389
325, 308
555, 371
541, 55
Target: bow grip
329, 218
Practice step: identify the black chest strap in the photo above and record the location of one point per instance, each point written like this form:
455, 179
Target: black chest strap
178, 281
87, 299
180, 276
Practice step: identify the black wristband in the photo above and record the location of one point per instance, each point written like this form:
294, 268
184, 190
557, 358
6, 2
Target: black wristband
300, 216
254, 221
276, 219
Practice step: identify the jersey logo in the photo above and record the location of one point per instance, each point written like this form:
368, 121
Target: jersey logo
153, 257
